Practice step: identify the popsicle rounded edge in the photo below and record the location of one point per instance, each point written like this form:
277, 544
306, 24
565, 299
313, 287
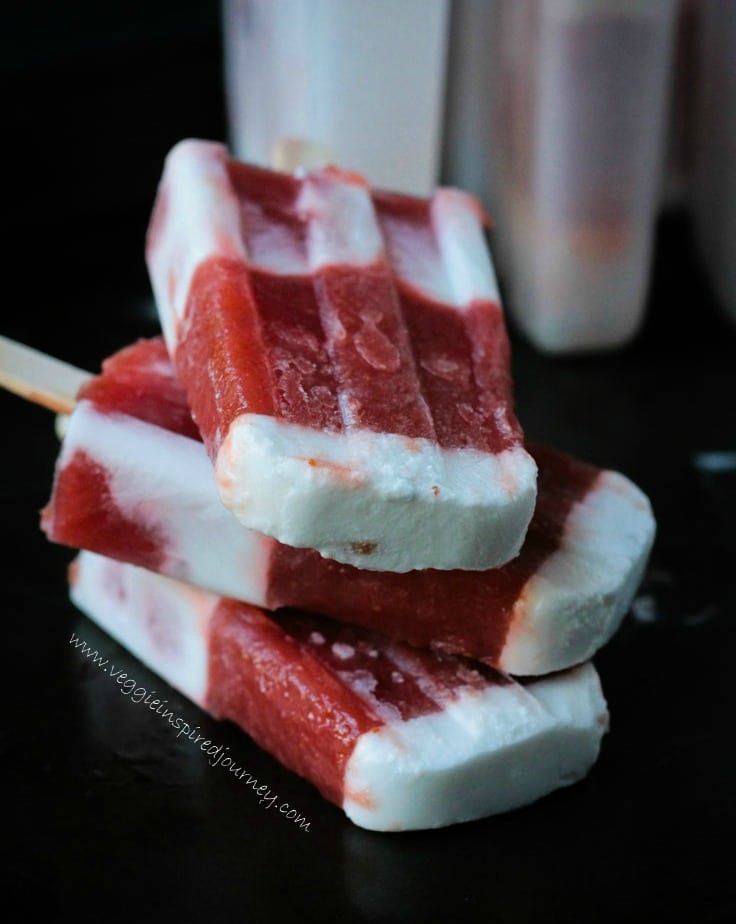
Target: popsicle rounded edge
576, 601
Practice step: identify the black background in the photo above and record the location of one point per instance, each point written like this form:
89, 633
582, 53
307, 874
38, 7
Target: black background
108, 817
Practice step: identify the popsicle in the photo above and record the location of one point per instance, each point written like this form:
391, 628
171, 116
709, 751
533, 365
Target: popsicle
133, 482
346, 361
399, 738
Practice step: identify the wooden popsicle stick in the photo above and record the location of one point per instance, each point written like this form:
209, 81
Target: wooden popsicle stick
291, 154
39, 378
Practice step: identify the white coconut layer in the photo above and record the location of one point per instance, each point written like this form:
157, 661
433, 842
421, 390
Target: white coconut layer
577, 599
377, 500
488, 752
163, 622
163, 481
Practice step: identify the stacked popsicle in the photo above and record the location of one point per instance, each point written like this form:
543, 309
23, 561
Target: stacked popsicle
376, 551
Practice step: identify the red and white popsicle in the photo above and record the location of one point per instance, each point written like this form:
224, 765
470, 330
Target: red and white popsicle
400, 738
345, 357
133, 482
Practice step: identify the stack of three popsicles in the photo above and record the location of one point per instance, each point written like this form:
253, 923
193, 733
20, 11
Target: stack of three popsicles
344, 356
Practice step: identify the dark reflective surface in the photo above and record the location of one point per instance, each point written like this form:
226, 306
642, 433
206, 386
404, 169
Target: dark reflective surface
107, 816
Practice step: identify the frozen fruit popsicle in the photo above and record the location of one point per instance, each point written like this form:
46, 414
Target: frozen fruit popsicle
133, 482
346, 360
399, 738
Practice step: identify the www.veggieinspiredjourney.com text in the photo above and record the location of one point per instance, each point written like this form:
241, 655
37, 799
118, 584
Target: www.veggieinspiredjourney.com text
218, 756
